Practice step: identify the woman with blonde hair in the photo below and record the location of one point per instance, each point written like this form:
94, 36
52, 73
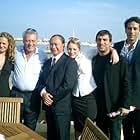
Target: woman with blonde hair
83, 101
7, 55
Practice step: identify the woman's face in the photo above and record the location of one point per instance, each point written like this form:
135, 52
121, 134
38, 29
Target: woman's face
3, 44
73, 50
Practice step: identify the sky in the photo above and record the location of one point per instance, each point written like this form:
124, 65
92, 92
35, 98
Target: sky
79, 18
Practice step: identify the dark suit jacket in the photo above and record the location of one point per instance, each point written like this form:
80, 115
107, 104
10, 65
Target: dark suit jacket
116, 85
59, 80
134, 71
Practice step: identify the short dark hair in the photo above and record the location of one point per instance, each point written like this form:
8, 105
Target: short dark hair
104, 32
131, 19
60, 36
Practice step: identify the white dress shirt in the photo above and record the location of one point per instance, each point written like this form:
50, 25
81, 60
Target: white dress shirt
57, 57
26, 73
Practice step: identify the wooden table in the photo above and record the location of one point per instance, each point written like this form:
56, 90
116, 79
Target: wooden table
18, 131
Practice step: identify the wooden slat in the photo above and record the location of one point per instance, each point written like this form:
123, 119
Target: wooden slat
10, 109
92, 132
17, 131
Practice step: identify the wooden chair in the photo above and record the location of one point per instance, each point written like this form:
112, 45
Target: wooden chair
10, 109
92, 132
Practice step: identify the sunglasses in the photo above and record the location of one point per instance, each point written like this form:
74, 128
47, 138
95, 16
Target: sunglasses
31, 30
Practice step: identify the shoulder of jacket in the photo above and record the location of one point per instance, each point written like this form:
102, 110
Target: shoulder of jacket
120, 42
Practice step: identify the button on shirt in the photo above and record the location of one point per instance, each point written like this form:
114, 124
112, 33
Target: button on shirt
86, 83
26, 73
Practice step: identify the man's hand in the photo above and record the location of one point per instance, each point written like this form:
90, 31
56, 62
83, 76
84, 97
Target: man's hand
124, 111
47, 98
114, 56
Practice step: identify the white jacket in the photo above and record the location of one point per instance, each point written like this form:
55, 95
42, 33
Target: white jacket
86, 83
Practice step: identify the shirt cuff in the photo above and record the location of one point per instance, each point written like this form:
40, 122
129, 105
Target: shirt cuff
42, 91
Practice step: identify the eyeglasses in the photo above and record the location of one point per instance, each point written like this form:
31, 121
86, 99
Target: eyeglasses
31, 30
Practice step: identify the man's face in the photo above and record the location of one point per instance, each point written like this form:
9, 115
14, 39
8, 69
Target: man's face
56, 45
30, 42
132, 31
103, 43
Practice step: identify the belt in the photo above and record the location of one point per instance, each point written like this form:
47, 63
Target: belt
16, 89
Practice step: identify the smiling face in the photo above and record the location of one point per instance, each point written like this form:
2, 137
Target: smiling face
103, 43
73, 47
3, 44
56, 45
30, 42
132, 31
73, 50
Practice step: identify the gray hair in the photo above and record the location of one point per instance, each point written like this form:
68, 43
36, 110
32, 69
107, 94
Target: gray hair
30, 31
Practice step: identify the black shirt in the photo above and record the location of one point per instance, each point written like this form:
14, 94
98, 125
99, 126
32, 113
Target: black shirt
4, 79
98, 73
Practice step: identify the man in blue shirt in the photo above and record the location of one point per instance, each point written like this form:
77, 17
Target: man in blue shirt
130, 49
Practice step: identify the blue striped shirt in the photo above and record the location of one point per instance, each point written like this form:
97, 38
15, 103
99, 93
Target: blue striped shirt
128, 53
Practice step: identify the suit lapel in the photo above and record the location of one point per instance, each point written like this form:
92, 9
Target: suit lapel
58, 63
136, 52
51, 70
120, 46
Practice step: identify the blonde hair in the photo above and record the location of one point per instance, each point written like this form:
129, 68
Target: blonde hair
75, 41
10, 54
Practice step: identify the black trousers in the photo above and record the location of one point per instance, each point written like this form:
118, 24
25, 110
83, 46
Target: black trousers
111, 127
58, 126
83, 107
58, 119
30, 108
131, 126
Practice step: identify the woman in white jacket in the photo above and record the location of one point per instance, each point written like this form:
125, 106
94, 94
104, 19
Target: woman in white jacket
83, 101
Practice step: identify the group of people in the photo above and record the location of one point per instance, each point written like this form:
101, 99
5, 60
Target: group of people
76, 85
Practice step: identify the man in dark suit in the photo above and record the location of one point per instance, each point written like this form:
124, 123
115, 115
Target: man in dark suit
112, 92
55, 86
130, 49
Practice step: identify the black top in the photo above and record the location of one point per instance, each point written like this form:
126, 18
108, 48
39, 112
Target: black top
98, 72
100, 68
4, 79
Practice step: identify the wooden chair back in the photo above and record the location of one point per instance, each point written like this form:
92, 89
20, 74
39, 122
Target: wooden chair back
92, 132
10, 109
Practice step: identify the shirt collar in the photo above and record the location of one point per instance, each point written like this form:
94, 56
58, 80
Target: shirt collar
134, 45
58, 56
